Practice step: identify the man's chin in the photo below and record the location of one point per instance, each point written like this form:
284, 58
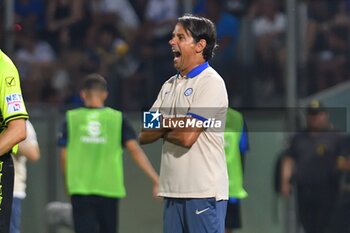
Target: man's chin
176, 65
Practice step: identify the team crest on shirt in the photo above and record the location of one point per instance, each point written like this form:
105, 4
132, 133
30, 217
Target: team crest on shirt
14, 103
10, 81
188, 91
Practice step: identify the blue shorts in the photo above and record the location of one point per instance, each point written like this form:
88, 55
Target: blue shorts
194, 215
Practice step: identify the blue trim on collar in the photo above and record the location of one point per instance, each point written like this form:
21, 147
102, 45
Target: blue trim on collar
197, 70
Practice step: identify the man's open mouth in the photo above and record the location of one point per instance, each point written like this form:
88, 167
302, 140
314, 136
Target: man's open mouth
176, 53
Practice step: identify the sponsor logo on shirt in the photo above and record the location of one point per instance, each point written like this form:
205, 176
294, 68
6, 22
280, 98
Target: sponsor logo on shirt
14, 103
93, 130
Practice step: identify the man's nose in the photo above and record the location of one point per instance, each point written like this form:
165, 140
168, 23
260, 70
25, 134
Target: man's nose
172, 41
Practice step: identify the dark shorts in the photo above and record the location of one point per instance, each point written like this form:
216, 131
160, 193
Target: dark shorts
6, 192
233, 215
316, 204
194, 215
95, 214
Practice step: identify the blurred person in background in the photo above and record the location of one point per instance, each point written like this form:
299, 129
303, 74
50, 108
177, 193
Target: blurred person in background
113, 59
27, 150
332, 67
66, 23
13, 114
226, 56
159, 19
269, 27
31, 13
92, 141
120, 13
327, 49
36, 62
310, 165
111, 50
236, 146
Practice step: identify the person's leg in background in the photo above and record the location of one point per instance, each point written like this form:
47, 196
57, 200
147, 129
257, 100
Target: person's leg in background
15, 225
107, 214
84, 216
233, 216
315, 205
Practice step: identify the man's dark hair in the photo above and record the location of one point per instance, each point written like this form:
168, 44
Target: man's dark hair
201, 28
94, 82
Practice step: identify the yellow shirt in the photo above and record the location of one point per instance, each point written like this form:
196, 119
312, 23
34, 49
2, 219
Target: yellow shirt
11, 101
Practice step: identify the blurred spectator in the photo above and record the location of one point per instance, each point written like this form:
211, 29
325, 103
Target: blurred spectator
72, 29
161, 14
67, 22
238, 8
342, 17
310, 163
35, 59
118, 12
112, 58
319, 21
111, 48
225, 59
269, 28
30, 13
71, 71
160, 18
331, 67
139, 7
327, 47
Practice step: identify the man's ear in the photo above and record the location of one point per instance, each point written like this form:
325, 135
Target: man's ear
82, 94
104, 95
200, 45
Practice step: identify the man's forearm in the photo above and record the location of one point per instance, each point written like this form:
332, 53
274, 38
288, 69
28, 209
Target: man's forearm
182, 133
15, 133
141, 160
287, 168
149, 136
183, 137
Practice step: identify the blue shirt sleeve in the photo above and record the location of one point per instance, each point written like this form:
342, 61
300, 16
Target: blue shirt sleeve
244, 143
128, 133
62, 136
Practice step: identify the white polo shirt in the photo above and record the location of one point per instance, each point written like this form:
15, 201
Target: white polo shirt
198, 172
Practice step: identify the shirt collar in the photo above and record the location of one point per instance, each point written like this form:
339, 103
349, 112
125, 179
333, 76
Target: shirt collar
197, 70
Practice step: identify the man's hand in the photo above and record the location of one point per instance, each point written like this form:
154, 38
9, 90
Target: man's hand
286, 188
